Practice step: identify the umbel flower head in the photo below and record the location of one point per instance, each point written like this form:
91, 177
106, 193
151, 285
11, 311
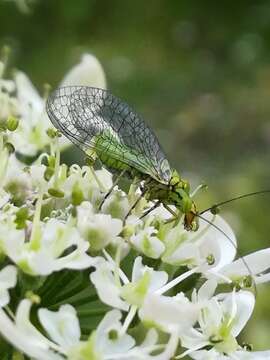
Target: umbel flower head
78, 281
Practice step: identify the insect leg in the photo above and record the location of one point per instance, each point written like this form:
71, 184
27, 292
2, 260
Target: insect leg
170, 211
151, 209
136, 202
111, 189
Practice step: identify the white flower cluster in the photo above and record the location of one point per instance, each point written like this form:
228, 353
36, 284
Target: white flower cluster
81, 283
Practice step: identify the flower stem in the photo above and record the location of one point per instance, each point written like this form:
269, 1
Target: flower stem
57, 163
128, 320
35, 234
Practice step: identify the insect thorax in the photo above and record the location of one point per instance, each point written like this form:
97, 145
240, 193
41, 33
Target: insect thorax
176, 193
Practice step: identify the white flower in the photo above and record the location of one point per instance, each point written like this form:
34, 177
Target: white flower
221, 319
24, 336
8, 278
117, 204
88, 72
148, 243
98, 229
86, 184
112, 292
31, 136
108, 342
62, 326
175, 314
194, 248
43, 254
109, 326
20, 183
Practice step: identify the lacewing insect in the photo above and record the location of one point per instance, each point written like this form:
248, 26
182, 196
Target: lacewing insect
105, 127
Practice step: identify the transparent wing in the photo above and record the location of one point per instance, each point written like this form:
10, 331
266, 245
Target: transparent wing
94, 119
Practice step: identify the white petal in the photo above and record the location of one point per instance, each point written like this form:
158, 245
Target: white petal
252, 355
214, 242
193, 338
146, 242
138, 269
158, 279
208, 355
213, 319
170, 313
77, 260
111, 321
257, 262
99, 229
107, 290
185, 254
88, 72
245, 302
28, 95
207, 290
24, 342
62, 326
22, 319
8, 278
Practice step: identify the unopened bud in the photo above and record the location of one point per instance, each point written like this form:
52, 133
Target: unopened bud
10, 147
48, 173
53, 133
210, 259
56, 193
12, 123
77, 195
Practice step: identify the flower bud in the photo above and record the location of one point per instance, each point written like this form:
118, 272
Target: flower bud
56, 193
10, 147
53, 133
21, 217
48, 173
77, 195
12, 123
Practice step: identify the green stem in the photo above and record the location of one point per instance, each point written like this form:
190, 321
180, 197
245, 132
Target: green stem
57, 163
117, 265
35, 234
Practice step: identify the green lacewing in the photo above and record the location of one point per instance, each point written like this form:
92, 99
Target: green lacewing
107, 128
104, 126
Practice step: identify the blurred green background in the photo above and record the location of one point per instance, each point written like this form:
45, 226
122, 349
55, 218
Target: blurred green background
199, 72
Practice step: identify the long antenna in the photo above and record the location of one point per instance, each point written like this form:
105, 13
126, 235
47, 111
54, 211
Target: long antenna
233, 244
234, 199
